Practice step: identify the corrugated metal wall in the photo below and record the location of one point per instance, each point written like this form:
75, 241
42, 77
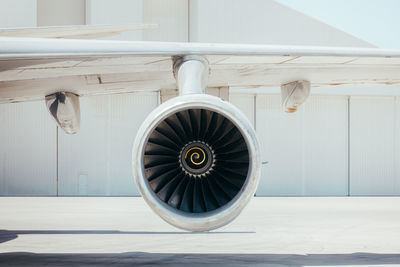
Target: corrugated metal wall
36, 158
375, 146
97, 160
307, 150
28, 151
334, 145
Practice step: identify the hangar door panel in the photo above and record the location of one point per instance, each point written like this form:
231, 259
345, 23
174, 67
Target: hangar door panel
280, 136
244, 102
374, 146
98, 160
307, 150
27, 150
326, 146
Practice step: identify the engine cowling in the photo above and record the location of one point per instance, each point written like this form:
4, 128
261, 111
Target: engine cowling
196, 162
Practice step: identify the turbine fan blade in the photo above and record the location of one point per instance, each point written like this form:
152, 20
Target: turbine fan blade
207, 138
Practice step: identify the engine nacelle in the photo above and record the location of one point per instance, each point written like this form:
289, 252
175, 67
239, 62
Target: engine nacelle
196, 162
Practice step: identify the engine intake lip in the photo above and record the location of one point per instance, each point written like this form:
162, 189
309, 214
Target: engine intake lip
203, 221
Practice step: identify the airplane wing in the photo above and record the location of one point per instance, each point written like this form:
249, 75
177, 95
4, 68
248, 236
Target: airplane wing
31, 68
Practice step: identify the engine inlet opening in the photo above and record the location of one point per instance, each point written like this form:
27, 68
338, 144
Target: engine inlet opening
196, 160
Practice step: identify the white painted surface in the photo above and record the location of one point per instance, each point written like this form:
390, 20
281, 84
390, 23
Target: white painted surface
27, 150
325, 146
246, 103
14, 14
171, 17
262, 21
116, 12
73, 32
307, 150
60, 12
129, 73
97, 160
374, 146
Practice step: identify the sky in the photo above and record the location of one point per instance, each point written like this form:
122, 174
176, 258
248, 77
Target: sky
374, 21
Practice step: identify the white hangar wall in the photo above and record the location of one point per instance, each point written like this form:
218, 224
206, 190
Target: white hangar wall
374, 145
335, 145
37, 158
307, 150
14, 14
261, 22
28, 153
312, 152
98, 159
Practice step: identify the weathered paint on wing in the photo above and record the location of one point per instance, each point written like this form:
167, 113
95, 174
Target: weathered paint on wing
31, 68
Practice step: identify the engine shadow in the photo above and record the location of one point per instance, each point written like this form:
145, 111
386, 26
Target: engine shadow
186, 259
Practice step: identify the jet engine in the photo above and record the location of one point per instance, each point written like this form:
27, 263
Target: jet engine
196, 161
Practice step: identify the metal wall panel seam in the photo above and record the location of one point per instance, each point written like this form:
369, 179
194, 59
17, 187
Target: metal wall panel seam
348, 145
108, 126
395, 143
303, 145
57, 160
188, 21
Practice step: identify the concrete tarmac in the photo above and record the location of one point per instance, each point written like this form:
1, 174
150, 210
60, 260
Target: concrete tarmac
123, 231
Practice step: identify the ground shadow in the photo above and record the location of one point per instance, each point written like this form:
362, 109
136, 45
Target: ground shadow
178, 259
185, 259
8, 235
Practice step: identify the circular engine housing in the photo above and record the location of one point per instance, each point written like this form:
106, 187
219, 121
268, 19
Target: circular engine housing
196, 162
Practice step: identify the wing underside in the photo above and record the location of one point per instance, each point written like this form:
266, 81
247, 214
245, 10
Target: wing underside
30, 69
